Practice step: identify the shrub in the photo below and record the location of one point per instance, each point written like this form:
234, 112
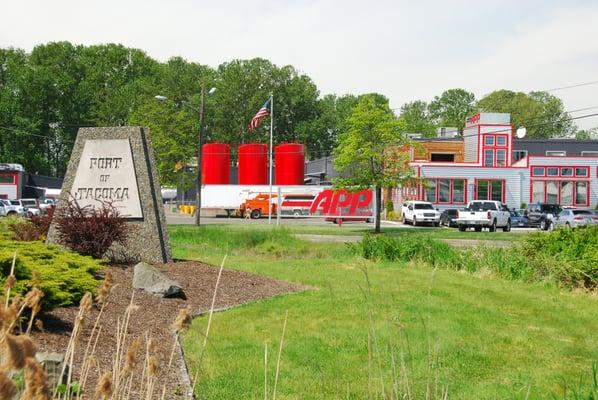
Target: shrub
90, 231
390, 206
565, 257
409, 248
36, 228
393, 216
523, 205
62, 275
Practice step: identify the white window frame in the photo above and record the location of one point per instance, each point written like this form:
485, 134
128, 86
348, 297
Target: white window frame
559, 153
590, 153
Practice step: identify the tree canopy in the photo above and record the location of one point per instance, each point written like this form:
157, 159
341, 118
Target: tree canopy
364, 155
47, 94
541, 113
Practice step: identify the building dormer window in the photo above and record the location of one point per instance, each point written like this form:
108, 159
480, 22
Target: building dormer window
495, 150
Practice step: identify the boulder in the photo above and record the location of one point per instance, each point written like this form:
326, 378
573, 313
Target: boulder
153, 281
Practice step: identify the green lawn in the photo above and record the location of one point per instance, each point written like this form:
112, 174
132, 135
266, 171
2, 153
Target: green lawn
481, 337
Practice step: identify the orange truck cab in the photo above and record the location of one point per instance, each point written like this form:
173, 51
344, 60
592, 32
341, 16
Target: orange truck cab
258, 205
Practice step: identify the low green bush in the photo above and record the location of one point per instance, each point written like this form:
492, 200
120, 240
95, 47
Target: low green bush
409, 248
565, 257
63, 276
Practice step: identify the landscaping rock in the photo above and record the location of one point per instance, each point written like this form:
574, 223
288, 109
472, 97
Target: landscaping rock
153, 281
52, 362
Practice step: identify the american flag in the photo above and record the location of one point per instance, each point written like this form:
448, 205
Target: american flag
261, 114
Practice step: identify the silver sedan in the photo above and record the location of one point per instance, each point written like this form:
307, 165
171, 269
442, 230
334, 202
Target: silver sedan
573, 218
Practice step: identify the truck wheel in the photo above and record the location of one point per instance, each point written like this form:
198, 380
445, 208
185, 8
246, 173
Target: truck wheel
256, 214
507, 227
462, 228
403, 220
478, 228
493, 226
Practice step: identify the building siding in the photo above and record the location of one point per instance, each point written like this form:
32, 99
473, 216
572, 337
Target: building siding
513, 177
470, 139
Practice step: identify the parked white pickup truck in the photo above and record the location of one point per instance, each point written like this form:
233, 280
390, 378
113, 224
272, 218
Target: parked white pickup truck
485, 214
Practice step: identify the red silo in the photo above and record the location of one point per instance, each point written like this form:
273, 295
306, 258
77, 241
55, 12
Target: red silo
290, 164
215, 164
253, 164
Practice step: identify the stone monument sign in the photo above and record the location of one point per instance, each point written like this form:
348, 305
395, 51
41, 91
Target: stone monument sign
106, 173
117, 165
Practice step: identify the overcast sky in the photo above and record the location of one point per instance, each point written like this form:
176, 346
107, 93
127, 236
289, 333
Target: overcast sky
406, 50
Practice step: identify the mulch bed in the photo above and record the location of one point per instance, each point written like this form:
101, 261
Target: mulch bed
155, 316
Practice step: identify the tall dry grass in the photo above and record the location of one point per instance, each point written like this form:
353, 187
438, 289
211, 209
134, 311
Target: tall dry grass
135, 369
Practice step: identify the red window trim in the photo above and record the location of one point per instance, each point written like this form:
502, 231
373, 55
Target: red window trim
559, 182
489, 194
494, 150
451, 189
587, 175
537, 166
560, 171
495, 140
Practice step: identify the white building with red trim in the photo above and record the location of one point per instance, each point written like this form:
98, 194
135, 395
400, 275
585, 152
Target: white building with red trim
489, 172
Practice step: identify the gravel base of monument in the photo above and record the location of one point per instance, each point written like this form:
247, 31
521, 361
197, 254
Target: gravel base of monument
155, 316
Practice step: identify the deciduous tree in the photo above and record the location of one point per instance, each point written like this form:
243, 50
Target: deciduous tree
541, 113
369, 152
452, 108
415, 117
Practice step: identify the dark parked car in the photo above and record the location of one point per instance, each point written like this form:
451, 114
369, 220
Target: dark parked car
541, 214
449, 217
518, 220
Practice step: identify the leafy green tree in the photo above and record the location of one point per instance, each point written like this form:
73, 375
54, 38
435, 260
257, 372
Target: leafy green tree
321, 133
587, 134
541, 113
174, 129
116, 80
553, 120
244, 86
452, 108
415, 118
368, 152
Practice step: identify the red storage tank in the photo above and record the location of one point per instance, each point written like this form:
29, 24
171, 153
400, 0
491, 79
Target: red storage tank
290, 164
215, 164
253, 164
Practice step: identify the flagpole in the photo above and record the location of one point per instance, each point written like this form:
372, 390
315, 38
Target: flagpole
271, 135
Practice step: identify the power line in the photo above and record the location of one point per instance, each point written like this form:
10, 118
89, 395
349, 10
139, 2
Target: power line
571, 86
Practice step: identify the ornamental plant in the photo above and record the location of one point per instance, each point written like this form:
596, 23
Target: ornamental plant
90, 230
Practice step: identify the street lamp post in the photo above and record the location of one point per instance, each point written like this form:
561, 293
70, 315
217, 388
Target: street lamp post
199, 149
199, 157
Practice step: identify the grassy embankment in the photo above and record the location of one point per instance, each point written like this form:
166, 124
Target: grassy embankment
406, 328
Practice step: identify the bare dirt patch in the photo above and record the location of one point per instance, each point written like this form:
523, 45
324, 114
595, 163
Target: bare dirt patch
155, 317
